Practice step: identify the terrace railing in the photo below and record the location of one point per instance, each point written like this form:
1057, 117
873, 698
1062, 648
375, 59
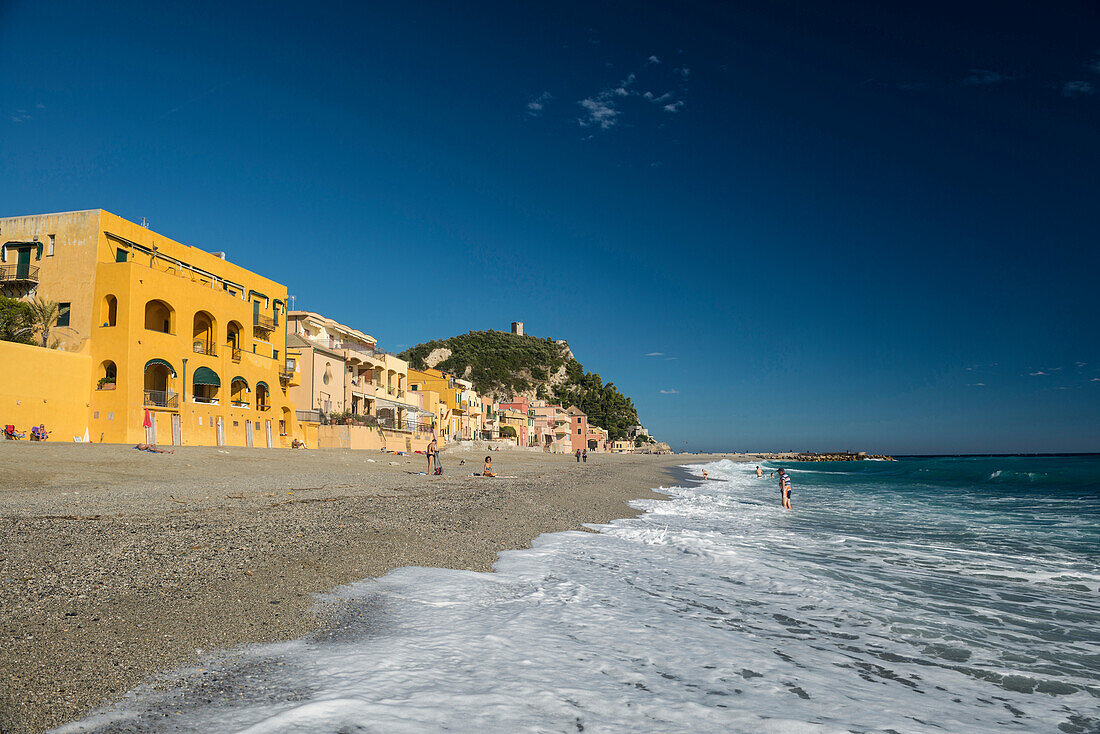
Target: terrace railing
265, 323
162, 399
19, 272
201, 347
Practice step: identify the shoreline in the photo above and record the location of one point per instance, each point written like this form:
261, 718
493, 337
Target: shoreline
117, 564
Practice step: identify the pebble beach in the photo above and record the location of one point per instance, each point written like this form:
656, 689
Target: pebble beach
117, 564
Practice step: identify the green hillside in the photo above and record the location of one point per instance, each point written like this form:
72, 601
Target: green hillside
505, 365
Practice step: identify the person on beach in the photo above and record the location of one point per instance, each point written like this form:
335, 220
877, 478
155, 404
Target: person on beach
151, 448
488, 470
759, 473
578, 456
433, 454
785, 489
584, 455
706, 477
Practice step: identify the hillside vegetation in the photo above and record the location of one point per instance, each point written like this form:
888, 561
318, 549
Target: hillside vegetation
505, 365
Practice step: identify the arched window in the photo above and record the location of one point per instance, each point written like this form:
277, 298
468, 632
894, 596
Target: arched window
159, 391
110, 310
204, 386
159, 316
203, 333
238, 392
263, 396
108, 375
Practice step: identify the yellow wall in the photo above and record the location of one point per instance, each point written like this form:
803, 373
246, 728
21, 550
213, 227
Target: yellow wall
44, 386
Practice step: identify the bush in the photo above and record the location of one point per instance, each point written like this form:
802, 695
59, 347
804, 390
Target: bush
507, 432
16, 321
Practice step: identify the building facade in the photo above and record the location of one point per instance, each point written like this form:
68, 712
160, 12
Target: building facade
182, 334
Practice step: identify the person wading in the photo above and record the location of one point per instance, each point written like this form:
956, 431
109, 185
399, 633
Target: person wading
785, 489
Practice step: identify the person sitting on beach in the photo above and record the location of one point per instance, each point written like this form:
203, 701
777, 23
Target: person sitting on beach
784, 489
151, 448
297, 443
759, 473
488, 470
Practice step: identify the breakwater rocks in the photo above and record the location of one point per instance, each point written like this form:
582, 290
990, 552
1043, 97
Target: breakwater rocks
846, 456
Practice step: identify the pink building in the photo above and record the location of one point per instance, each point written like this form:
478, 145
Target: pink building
578, 428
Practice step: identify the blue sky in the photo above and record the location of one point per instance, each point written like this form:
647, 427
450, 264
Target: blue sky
775, 227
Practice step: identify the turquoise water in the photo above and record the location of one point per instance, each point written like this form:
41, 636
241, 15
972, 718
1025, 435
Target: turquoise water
923, 595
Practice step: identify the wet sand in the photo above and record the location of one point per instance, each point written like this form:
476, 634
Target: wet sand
116, 564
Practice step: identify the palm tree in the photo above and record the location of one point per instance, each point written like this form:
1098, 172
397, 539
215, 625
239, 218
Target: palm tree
43, 317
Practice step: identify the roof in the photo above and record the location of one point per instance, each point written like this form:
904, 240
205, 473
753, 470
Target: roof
330, 324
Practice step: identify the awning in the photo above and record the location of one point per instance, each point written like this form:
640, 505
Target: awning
164, 362
206, 376
393, 403
238, 378
262, 384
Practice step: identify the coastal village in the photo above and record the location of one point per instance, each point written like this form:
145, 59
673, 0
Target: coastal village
157, 342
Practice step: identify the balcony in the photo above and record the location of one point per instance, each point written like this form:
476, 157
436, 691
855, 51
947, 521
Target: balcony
263, 407
263, 323
205, 400
236, 355
162, 399
285, 375
201, 347
18, 280
19, 273
239, 403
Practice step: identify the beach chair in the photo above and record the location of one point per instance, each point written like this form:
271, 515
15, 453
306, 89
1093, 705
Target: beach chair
38, 433
9, 433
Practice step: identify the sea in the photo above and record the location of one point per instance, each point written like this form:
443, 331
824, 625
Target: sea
927, 594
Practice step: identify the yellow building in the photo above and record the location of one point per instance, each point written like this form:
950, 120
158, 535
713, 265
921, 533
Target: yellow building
451, 413
194, 339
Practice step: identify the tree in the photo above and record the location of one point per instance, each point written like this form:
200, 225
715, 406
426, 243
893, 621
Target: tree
16, 321
507, 432
43, 317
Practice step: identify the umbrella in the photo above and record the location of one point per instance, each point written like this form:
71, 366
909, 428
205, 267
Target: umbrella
148, 419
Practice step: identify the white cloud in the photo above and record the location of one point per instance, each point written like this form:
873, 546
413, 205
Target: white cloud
655, 60
599, 112
600, 109
1095, 379
1036, 374
670, 359
674, 106
976, 384
669, 392
1079, 364
536, 105
655, 354
1077, 88
684, 72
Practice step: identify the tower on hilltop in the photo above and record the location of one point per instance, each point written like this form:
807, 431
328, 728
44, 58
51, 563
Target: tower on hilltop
517, 327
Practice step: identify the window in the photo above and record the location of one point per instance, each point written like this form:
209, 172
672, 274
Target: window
578, 431
49, 247
120, 255
63, 314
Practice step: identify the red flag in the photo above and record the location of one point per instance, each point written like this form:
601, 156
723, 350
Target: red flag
148, 419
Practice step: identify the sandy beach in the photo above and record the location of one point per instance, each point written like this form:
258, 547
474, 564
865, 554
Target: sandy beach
116, 564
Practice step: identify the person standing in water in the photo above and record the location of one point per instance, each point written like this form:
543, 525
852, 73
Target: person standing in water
785, 489
759, 473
